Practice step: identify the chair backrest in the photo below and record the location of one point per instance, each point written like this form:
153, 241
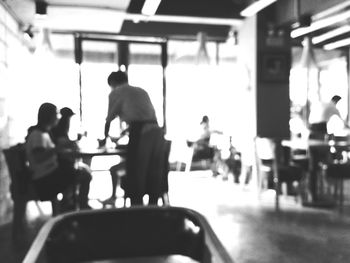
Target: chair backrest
167, 148
264, 148
135, 234
268, 149
18, 169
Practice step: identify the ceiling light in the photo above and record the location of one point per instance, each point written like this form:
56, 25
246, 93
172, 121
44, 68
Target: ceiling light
185, 19
333, 33
320, 24
334, 9
150, 7
80, 19
337, 44
255, 7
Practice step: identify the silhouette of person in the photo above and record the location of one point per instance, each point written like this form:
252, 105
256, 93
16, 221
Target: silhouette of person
134, 107
320, 115
50, 176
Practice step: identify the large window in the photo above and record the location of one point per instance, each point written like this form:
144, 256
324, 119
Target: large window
328, 77
219, 89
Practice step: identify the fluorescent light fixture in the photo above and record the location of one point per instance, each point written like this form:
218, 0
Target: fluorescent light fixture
332, 10
255, 7
331, 34
320, 24
337, 44
185, 19
82, 19
150, 7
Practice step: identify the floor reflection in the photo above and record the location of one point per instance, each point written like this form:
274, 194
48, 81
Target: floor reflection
248, 225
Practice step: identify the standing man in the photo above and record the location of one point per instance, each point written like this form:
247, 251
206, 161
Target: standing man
134, 107
320, 115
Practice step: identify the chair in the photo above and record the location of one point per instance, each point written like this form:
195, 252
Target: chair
165, 173
274, 166
21, 188
199, 159
136, 234
330, 169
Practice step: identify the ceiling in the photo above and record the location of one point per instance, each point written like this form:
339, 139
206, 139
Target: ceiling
174, 18
324, 21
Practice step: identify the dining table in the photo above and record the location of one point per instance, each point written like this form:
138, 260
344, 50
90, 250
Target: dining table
85, 154
89, 152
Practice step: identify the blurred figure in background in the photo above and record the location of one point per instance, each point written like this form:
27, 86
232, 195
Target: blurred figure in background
320, 115
60, 136
203, 150
61, 130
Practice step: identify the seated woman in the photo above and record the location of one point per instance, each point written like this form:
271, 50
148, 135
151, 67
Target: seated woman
60, 137
202, 150
50, 176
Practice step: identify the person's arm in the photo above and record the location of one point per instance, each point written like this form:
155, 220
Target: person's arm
107, 126
106, 133
113, 111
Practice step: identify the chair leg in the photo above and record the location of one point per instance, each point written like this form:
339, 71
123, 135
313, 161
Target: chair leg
165, 199
178, 166
341, 197
39, 208
277, 189
19, 217
189, 160
55, 205
335, 193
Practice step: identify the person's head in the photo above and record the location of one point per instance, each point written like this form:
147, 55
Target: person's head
335, 99
66, 112
205, 119
62, 127
47, 116
117, 78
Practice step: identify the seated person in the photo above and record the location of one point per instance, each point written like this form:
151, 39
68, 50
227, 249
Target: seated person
60, 137
202, 150
50, 176
117, 172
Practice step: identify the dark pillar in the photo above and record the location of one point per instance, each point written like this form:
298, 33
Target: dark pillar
273, 67
78, 55
164, 65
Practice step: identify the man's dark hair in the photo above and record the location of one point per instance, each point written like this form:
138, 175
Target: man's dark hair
47, 112
336, 98
117, 77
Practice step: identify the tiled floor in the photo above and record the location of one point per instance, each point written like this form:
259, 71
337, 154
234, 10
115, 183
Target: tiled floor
248, 226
